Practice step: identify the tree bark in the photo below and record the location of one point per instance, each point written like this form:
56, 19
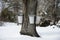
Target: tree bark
27, 28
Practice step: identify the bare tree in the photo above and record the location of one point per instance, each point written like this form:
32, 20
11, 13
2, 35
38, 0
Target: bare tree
47, 7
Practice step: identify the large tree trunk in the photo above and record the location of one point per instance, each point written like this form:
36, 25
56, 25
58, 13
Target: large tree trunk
27, 28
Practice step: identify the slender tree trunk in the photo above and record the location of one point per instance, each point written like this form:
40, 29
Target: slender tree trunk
27, 28
16, 11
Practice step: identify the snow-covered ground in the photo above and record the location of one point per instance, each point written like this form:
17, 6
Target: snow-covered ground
10, 31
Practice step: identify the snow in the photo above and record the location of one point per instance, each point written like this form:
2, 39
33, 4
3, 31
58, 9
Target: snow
49, 32
10, 31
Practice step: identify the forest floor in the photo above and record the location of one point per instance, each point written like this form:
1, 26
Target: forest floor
10, 31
